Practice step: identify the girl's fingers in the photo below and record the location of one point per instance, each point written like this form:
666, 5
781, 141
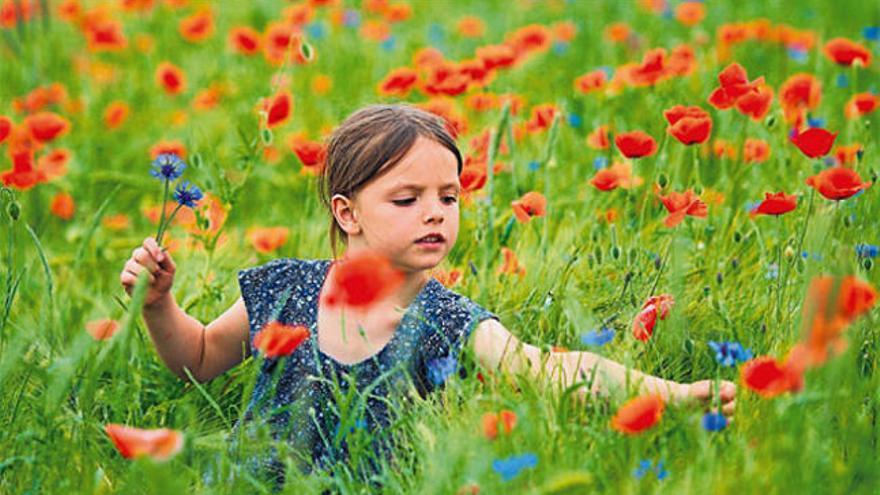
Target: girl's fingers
728, 391
143, 257
727, 409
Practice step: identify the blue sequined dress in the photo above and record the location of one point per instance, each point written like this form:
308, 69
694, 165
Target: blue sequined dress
301, 407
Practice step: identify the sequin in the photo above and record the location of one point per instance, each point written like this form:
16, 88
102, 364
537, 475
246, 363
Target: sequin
298, 402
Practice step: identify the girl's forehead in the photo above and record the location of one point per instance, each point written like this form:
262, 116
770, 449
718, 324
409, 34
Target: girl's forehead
426, 161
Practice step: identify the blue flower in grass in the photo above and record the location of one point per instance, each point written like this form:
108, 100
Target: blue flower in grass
511, 466
598, 337
729, 353
713, 421
167, 166
647, 466
440, 369
186, 194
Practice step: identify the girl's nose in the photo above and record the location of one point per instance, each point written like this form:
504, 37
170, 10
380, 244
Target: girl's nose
434, 213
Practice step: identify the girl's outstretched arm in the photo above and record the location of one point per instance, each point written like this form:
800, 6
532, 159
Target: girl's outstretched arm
497, 349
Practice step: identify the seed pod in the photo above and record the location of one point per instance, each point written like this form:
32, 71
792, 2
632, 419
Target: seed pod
770, 121
737, 236
719, 278
196, 160
266, 136
13, 209
615, 252
662, 180
868, 263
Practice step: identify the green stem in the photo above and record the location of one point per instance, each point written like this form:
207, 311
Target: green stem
162, 219
162, 229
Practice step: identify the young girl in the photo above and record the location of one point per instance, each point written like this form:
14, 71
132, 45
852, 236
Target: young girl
391, 184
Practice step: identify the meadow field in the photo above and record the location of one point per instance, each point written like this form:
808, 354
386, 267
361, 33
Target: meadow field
688, 188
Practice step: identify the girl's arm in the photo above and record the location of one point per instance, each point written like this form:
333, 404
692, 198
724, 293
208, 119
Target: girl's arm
496, 348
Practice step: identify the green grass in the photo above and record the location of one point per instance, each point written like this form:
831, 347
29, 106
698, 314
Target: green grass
58, 387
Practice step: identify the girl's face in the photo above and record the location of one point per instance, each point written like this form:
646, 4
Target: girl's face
410, 212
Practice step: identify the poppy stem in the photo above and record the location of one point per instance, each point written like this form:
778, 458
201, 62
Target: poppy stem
779, 270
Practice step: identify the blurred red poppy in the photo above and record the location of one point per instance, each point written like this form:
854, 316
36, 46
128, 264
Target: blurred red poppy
734, 85
46, 126
591, 81
5, 128
814, 142
638, 414
115, 114
470, 27
168, 146
683, 204
267, 239
619, 174
689, 125
653, 308
102, 329
532, 204
398, 82
245, 40
496, 56
171, 78
278, 108
598, 139
158, 444
506, 417
756, 104
775, 204
635, 144
362, 279
755, 150
310, 153
861, 104
844, 51
276, 339
510, 263
769, 378
62, 206
837, 182
198, 27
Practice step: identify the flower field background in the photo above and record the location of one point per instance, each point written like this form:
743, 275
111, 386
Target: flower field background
687, 188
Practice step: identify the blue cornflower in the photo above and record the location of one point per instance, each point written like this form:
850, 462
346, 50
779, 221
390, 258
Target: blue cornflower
866, 250
167, 166
575, 120
797, 54
600, 162
316, 30
871, 33
751, 205
511, 466
646, 466
440, 369
661, 471
534, 165
436, 34
560, 47
713, 421
842, 81
729, 353
816, 122
389, 43
598, 337
772, 271
187, 194
351, 18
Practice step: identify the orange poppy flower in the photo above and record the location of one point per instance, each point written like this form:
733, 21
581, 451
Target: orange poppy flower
198, 27
755, 104
102, 329
268, 239
861, 104
321, 84
481, 102
734, 84
282, 41
117, 222
689, 125
62, 206
276, 339
398, 82
814, 142
690, 13
638, 414
473, 177
844, 51
769, 378
103, 33
801, 91
529, 39
532, 204
5, 128
496, 56
470, 27
170, 78
375, 30
846, 154
591, 81
168, 146
158, 444
310, 153
653, 308
775, 204
617, 32
245, 40
650, 71
475, 70
541, 117
511, 264
115, 114
619, 174
362, 279
680, 205
46, 126
445, 78
208, 98
755, 150
598, 139
398, 12
506, 417
564, 31
278, 108
447, 278
635, 144
682, 60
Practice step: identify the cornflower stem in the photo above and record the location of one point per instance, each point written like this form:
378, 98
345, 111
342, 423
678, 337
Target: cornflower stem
162, 219
162, 229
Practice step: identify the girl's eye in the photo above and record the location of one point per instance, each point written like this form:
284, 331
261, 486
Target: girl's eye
403, 202
450, 199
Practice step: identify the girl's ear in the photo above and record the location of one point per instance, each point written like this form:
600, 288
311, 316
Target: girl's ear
343, 211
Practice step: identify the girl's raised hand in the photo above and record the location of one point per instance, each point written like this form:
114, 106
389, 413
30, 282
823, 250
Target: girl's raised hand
704, 392
158, 264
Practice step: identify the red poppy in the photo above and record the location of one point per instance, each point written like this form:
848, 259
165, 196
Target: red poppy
102, 329
276, 339
756, 104
845, 154
638, 414
281, 41
62, 206
171, 78
103, 33
475, 70
267, 239
529, 39
734, 84
496, 56
775, 204
5, 128
591, 81
769, 378
46, 126
690, 13
644, 322
635, 144
473, 177
755, 150
158, 444
197, 27
681, 61
510, 264
844, 51
690, 125
800, 91
683, 204
481, 102
541, 117
598, 139
278, 108
245, 40
310, 153
814, 142
172, 146
115, 114
362, 279
447, 278
532, 204
861, 104
470, 27
445, 78
507, 418
837, 183
619, 174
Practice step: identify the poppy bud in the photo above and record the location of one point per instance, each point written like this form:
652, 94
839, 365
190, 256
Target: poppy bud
13, 209
847, 221
737, 236
473, 267
719, 278
706, 290
306, 51
770, 121
800, 265
734, 263
789, 251
615, 252
597, 252
266, 136
595, 236
867, 123
196, 160
868, 263
698, 189
628, 277
662, 180
658, 262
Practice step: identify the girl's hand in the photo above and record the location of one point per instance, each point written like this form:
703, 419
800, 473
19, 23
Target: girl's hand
704, 393
159, 265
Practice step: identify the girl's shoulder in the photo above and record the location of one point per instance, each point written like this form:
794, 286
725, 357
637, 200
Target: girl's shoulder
449, 314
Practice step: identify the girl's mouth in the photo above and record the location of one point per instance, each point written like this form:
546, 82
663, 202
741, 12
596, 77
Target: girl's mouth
432, 240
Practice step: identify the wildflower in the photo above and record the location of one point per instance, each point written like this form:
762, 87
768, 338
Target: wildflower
102, 329
768, 377
714, 421
635, 144
734, 84
775, 204
186, 194
490, 423
511, 264
646, 466
267, 239
167, 166
5, 128
755, 104
172, 146
440, 369
278, 108
598, 337
772, 271
814, 142
46, 126
837, 183
276, 339
729, 353
653, 308
158, 444
638, 414
171, 78
532, 204
861, 104
115, 114
398, 82
198, 27
244, 40
690, 125
683, 204
843, 51
598, 139
755, 150
362, 279
866, 250
511, 466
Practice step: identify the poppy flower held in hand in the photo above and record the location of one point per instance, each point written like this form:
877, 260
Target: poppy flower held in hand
276, 339
814, 142
158, 444
837, 183
775, 204
362, 279
635, 144
638, 414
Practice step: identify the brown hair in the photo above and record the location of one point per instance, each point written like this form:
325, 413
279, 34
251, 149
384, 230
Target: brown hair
367, 144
